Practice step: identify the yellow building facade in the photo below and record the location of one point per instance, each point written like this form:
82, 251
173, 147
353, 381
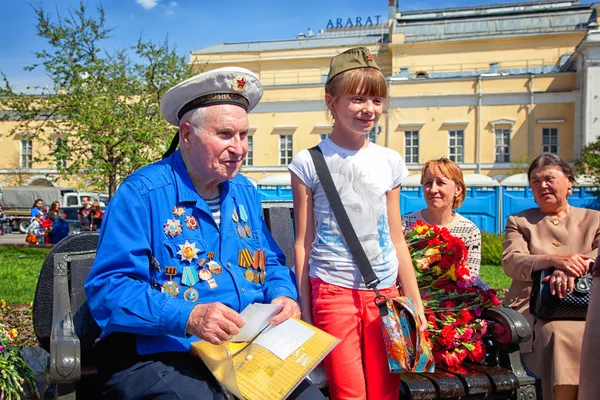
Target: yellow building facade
489, 87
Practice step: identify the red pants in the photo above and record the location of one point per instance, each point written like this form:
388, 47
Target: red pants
357, 367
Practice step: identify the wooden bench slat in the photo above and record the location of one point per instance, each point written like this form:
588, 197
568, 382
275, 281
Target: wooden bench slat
475, 382
502, 379
448, 385
417, 387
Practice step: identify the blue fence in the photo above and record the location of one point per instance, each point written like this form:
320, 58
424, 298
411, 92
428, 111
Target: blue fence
519, 198
480, 206
275, 192
487, 206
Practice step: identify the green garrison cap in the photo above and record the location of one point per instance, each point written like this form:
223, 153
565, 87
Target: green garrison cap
358, 57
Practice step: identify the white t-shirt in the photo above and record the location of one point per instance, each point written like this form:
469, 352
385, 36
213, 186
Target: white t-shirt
362, 179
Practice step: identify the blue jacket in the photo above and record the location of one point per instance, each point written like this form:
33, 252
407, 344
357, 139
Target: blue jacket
128, 287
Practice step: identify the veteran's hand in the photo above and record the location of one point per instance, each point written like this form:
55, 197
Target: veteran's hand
561, 284
290, 309
573, 264
214, 322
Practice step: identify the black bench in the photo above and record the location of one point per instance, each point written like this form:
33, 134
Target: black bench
65, 328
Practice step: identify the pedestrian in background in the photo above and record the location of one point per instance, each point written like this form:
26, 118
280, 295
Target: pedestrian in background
85, 214
96, 216
37, 208
2, 220
60, 228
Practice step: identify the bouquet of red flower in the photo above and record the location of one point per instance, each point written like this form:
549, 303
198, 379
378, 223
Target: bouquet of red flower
453, 300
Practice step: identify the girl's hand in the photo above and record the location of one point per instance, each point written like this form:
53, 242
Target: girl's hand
423, 326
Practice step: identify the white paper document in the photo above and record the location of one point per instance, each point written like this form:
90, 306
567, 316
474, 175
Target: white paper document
256, 317
285, 338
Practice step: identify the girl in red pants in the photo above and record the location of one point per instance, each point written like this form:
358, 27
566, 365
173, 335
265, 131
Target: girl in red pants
332, 293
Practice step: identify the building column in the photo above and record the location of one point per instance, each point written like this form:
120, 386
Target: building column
590, 50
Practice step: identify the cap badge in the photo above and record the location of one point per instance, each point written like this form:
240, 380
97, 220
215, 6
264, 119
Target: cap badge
369, 57
239, 84
172, 228
188, 251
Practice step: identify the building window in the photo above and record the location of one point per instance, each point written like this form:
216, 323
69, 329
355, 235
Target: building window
456, 146
249, 160
372, 135
62, 162
26, 154
502, 145
285, 149
550, 140
324, 136
411, 147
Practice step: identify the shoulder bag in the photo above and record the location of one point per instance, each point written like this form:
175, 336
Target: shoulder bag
406, 346
544, 305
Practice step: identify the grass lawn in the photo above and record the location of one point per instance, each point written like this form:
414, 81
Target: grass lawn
19, 268
494, 276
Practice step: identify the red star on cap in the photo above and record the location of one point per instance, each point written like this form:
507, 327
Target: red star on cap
370, 57
241, 83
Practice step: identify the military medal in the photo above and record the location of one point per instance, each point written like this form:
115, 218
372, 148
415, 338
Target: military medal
214, 267
188, 251
170, 287
240, 230
262, 277
190, 295
172, 228
204, 274
249, 275
245, 258
234, 216
210, 255
189, 277
244, 217
202, 262
191, 222
256, 259
178, 211
256, 279
212, 283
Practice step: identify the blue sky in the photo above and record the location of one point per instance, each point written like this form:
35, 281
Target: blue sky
189, 24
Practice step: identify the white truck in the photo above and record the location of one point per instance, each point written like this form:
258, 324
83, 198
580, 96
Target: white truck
17, 202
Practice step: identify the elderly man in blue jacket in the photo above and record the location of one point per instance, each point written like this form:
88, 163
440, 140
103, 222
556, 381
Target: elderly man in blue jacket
184, 248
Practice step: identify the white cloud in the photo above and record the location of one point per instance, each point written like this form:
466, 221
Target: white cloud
147, 4
169, 9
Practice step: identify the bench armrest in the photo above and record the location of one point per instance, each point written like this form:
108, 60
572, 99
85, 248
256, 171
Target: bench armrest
510, 326
65, 350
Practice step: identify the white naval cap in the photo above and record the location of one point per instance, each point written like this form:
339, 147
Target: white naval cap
227, 85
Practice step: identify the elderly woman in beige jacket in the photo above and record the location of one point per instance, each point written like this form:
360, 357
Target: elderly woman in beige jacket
561, 237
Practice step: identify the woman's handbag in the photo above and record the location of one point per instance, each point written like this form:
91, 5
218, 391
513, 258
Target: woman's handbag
544, 305
406, 346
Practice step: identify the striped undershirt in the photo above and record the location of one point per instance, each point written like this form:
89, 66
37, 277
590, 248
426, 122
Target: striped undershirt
215, 209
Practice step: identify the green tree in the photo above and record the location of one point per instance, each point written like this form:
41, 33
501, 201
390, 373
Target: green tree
105, 106
589, 161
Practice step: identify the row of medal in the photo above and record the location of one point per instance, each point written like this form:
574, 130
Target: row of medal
174, 228
254, 264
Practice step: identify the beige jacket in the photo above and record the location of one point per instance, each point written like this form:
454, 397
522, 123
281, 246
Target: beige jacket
531, 233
